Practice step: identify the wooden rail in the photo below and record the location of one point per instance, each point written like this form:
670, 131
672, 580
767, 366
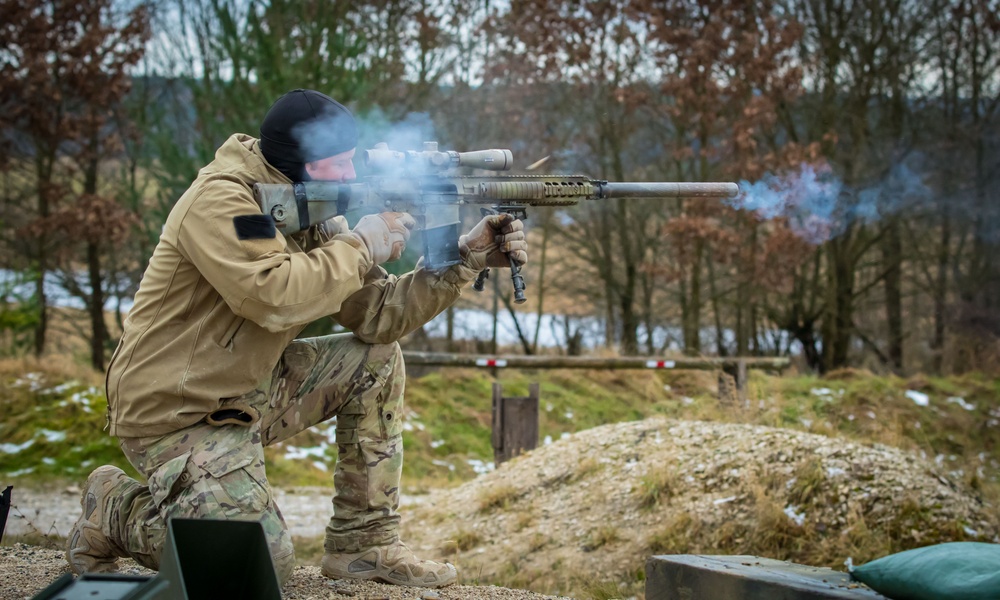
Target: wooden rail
516, 361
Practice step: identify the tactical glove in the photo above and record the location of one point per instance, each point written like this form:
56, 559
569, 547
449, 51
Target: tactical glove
334, 226
493, 242
385, 235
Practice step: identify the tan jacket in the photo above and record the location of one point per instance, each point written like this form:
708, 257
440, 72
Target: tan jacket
214, 312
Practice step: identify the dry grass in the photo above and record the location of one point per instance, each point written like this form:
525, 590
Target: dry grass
769, 530
523, 520
676, 536
658, 486
59, 368
601, 536
807, 483
538, 541
500, 497
463, 541
587, 466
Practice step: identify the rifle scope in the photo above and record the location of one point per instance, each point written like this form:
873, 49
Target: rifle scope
381, 158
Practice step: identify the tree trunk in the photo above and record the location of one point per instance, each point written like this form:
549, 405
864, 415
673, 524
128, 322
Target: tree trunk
449, 316
692, 305
43, 302
609, 316
720, 343
99, 330
43, 167
630, 321
892, 257
540, 293
839, 312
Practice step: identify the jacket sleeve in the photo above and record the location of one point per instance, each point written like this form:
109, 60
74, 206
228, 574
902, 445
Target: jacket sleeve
237, 249
389, 307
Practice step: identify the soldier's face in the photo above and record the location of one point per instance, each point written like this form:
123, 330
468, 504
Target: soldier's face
339, 167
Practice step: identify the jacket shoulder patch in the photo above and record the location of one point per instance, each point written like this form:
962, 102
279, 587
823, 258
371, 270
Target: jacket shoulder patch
254, 227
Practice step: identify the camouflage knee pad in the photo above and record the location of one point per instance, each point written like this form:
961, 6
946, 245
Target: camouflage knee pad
219, 475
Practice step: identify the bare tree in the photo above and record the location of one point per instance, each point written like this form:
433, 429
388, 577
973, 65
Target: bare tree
66, 68
590, 60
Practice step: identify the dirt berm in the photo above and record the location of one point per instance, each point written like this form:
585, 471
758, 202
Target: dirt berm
591, 507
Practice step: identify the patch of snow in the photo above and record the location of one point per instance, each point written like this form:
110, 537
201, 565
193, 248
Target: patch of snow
719, 501
919, 398
52, 436
443, 463
15, 448
792, 513
481, 467
295, 452
60, 389
961, 402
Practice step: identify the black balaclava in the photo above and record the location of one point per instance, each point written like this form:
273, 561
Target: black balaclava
304, 126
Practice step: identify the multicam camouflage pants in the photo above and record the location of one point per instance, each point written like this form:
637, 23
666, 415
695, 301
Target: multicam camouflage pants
206, 471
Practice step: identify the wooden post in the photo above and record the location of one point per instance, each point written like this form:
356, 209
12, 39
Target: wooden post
733, 384
741, 383
727, 388
515, 423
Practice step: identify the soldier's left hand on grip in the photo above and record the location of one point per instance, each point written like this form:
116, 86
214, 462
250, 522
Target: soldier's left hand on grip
494, 242
385, 234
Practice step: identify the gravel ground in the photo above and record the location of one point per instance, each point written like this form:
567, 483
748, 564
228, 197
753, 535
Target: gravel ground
53, 511
26, 570
578, 508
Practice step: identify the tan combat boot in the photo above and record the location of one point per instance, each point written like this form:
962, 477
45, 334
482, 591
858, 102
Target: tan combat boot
394, 563
89, 550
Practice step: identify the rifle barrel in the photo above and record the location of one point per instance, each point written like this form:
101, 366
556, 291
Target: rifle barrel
669, 190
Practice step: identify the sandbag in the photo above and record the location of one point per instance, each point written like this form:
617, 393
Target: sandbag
956, 571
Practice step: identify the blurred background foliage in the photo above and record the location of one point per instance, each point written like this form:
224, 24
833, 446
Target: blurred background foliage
870, 125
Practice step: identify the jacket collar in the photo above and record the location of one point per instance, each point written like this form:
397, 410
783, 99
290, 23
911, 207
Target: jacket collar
240, 156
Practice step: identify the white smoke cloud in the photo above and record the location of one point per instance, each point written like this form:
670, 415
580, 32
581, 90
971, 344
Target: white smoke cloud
819, 206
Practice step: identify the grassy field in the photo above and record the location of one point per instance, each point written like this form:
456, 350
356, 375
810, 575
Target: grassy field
52, 418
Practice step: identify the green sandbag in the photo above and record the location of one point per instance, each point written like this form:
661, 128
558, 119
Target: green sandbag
956, 571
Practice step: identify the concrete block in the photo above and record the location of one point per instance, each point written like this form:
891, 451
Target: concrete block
700, 577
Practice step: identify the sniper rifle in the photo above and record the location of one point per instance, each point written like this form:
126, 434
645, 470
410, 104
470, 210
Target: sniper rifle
416, 182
